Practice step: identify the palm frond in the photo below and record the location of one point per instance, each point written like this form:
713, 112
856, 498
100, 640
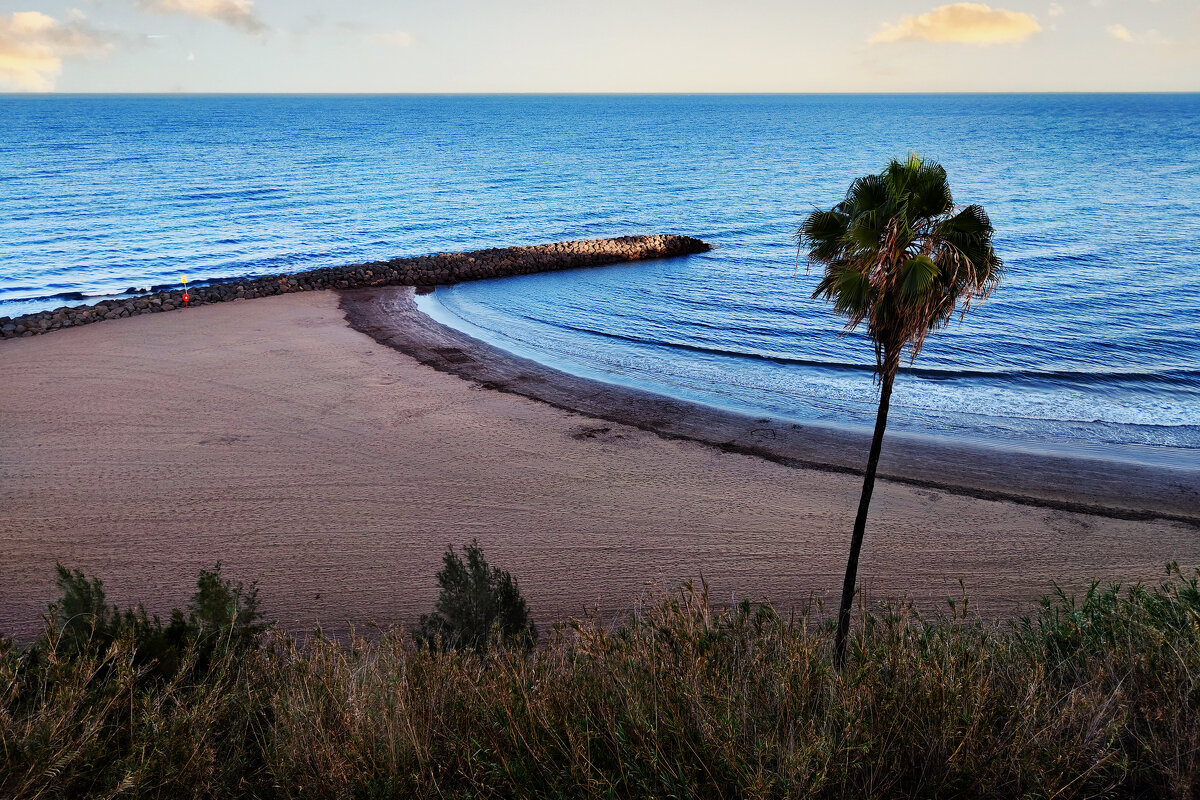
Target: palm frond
917, 277
823, 232
865, 231
848, 290
931, 194
969, 221
867, 194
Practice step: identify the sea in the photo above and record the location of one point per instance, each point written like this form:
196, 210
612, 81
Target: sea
1089, 346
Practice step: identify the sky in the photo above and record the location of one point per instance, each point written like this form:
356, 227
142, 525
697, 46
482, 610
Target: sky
551, 46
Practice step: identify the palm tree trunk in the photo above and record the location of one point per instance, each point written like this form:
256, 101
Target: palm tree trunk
860, 522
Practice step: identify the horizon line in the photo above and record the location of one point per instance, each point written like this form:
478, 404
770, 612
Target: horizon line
14, 94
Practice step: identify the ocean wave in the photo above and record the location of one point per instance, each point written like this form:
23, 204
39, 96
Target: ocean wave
45, 298
233, 194
1174, 377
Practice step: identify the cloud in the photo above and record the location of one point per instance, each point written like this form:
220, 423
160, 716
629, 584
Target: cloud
1119, 32
969, 23
34, 45
1152, 37
395, 39
1056, 10
236, 13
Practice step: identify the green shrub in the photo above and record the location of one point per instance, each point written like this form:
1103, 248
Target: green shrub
478, 606
108, 703
82, 621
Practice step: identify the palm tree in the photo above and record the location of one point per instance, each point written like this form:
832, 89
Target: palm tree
900, 256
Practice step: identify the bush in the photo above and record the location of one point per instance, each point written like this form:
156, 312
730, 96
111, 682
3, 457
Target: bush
110, 703
83, 621
479, 606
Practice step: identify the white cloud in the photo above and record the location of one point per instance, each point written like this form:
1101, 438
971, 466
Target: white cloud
236, 13
970, 23
1056, 10
33, 46
1152, 36
396, 39
1119, 32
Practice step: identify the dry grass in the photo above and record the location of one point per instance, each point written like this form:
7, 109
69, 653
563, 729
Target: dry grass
1095, 697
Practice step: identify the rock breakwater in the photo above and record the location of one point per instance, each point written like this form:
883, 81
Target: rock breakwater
434, 270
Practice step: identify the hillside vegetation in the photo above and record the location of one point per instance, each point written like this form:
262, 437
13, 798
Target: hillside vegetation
1094, 696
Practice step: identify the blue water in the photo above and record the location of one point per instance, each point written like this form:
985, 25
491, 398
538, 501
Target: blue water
1090, 344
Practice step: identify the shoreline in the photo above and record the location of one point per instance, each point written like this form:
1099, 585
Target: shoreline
332, 469
1117, 489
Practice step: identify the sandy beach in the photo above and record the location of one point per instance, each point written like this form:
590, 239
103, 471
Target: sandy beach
334, 469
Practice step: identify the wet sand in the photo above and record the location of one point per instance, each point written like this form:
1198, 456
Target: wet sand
334, 469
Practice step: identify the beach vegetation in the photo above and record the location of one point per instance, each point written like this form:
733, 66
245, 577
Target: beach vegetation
478, 606
1095, 695
898, 255
221, 613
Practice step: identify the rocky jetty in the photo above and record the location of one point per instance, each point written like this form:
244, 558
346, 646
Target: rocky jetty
435, 270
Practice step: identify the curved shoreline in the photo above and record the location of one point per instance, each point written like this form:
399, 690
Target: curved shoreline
1074, 484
